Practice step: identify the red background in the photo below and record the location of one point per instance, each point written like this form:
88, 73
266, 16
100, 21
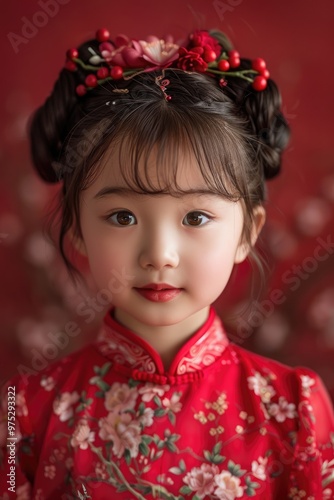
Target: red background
296, 40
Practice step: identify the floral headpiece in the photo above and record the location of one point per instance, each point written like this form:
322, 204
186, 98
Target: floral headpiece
126, 58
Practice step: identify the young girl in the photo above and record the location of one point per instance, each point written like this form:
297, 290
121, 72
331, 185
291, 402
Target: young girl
162, 150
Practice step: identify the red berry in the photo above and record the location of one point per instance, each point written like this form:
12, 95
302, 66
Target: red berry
234, 54
259, 83
70, 65
102, 35
81, 90
209, 56
116, 72
265, 73
103, 73
234, 62
91, 81
223, 65
259, 64
222, 82
72, 54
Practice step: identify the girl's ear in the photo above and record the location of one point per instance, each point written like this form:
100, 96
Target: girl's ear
77, 242
259, 218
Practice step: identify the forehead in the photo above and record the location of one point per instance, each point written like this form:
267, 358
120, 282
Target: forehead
155, 171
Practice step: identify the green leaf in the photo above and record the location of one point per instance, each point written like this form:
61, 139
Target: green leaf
103, 385
171, 417
160, 412
234, 469
97, 370
250, 483
218, 459
105, 368
160, 445
133, 383
141, 409
249, 491
144, 449
99, 394
127, 456
157, 401
171, 447
207, 455
182, 465
185, 490
147, 439
216, 449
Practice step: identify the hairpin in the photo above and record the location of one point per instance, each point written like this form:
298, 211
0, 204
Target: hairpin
125, 58
163, 84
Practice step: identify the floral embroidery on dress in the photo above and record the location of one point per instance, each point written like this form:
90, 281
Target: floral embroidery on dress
237, 428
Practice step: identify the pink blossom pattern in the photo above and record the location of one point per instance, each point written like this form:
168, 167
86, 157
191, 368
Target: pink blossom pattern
124, 433
62, 405
120, 397
260, 386
50, 471
21, 406
173, 404
228, 486
23, 492
116, 434
82, 435
307, 383
48, 383
147, 418
201, 479
149, 390
259, 468
282, 410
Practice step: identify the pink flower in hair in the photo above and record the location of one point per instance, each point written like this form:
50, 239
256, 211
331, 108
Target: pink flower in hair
142, 53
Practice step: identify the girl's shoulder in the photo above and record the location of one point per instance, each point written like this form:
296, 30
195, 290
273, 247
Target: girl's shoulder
282, 389
37, 376
295, 378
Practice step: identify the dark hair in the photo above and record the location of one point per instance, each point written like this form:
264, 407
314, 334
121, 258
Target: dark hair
237, 135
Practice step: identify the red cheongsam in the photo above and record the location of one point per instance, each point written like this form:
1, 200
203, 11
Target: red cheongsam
108, 422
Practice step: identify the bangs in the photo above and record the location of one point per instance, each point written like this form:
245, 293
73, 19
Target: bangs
215, 147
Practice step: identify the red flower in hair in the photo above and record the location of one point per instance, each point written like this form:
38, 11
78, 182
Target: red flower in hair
191, 60
203, 39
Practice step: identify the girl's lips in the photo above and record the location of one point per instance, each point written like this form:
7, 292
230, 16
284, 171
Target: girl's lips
159, 295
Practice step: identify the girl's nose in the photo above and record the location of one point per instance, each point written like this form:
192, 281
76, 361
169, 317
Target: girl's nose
159, 250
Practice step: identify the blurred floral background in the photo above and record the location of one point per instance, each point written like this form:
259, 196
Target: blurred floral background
42, 313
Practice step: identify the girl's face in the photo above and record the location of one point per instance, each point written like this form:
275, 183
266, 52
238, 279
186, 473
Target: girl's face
131, 240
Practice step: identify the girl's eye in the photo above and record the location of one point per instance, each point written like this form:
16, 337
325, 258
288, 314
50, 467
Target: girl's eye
122, 218
196, 219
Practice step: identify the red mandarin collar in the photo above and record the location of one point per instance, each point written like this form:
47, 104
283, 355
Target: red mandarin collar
134, 357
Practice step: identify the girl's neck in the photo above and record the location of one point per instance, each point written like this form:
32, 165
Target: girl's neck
166, 340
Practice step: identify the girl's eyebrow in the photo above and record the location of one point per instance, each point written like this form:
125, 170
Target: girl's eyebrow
108, 190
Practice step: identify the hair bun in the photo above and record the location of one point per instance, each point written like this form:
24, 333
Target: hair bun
48, 128
269, 126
